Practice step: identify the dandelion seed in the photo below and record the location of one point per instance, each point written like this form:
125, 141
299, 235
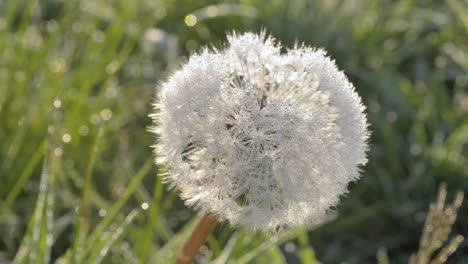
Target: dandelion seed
263, 139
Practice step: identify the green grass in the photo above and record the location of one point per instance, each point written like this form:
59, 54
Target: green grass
77, 79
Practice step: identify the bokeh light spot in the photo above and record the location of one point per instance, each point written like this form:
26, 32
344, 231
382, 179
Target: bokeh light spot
191, 20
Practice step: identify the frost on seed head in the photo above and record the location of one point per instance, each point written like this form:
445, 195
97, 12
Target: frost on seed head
263, 139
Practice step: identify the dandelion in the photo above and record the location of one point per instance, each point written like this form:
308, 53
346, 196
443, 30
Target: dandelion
264, 139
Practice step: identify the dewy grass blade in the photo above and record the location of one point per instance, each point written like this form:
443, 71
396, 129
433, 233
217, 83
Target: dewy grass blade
115, 209
226, 253
10, 11
275, 255
109, 238
249, 255
24, 177
80, 227
153, 215
214, 245
107, 50
171, 249
35, 247
306, 252
28, 14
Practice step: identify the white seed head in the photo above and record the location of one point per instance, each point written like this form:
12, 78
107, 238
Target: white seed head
261, 138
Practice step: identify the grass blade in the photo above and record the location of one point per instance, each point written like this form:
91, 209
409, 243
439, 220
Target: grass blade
35, 247
24, 177
80, 227
153, 217
109, 238
115, 209
170, 251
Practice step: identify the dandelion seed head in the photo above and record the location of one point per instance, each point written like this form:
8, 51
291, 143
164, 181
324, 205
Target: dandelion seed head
264, 139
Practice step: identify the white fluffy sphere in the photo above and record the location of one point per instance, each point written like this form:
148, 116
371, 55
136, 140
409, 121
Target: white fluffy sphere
263, 139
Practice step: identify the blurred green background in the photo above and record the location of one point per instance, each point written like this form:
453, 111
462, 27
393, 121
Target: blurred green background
77, 79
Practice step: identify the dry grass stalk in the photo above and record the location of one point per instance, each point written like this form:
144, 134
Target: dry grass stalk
437, 227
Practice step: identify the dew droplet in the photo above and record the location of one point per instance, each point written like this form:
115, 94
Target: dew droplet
106, 114
57, 103
190, 20
66, 138
58, 152
83, 130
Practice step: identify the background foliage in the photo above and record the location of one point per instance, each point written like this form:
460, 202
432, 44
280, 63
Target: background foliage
77, 79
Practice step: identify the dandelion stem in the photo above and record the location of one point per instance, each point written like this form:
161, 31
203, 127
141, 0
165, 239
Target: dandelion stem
197, 239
